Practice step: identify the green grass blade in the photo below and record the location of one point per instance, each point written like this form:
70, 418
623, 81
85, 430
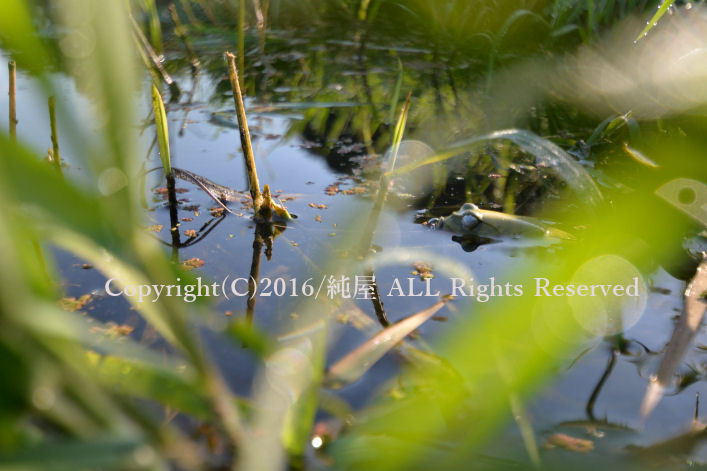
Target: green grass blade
399, 130
396, 92
654, 21
162, 130
89, 453
18, 34
149, 381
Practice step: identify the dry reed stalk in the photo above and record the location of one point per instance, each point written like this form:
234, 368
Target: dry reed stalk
245, 134
12, 69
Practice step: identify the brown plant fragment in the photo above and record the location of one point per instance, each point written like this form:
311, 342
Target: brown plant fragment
163, 190
332, 189
568, 442
72, 304
113, 330
423, 270
192, 263
358, 190
216, 211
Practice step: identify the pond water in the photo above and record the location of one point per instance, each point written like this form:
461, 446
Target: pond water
307, 139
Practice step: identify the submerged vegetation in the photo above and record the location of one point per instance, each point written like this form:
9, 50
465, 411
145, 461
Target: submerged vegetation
551, 145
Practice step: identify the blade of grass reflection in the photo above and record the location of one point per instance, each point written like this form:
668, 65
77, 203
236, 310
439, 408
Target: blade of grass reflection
146, 49
146, 61
181, 32
190, 100
685, 330
352, 366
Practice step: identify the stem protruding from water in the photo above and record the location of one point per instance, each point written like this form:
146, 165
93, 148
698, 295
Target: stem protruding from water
56, 157
162, 130
245, 134
12, 68
263, 204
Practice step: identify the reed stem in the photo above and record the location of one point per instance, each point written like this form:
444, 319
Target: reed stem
56, 158
245, 134
12, 69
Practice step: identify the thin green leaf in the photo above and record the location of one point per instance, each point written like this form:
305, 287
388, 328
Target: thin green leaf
18, 34
162, 130
654, 21
96, 453
599, 131
396, 92
149, 381
399, 130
